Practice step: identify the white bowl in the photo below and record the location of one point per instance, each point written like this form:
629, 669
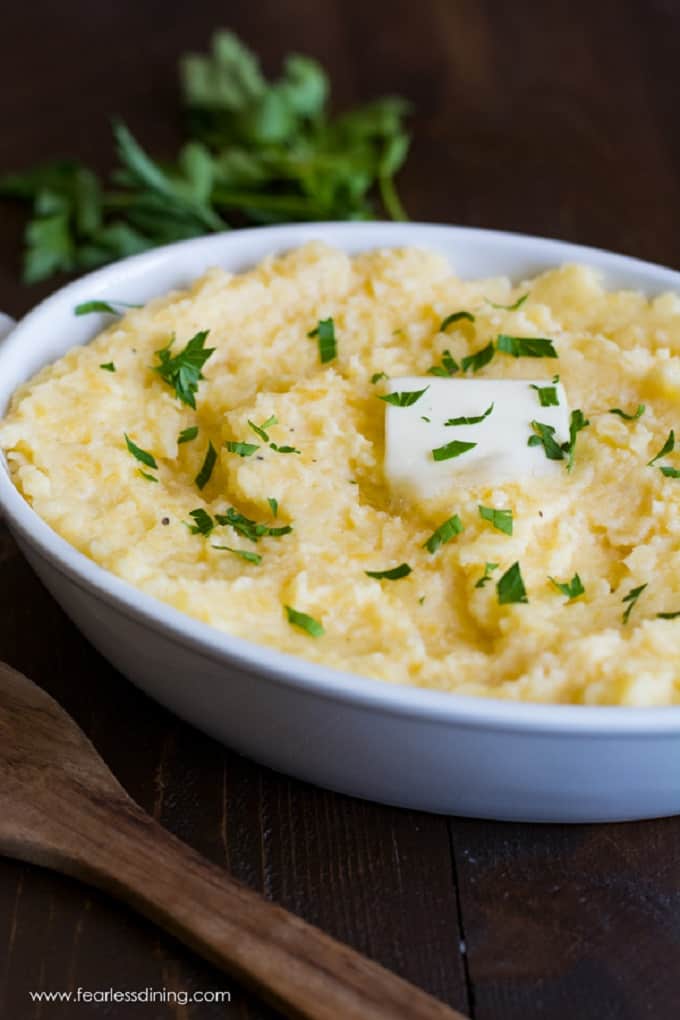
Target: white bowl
400, 745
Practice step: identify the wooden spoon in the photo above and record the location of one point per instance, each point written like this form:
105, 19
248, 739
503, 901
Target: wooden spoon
61, 807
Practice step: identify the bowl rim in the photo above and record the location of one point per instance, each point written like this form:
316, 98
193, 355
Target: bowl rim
327, 683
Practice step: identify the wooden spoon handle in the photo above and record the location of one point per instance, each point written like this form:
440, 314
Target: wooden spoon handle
292, 965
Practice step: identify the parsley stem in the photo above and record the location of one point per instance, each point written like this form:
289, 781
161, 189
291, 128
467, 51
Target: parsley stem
390, 198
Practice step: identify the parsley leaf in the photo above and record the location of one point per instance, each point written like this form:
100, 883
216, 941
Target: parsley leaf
183, 371
500, 519
453, 449
106, 307
479, 359
668, 471
186, 435
141, 455
572, 589
242, 449
404, 399
448, 367
471, 421
444, 533
545, 436
377, 376
668, 616
149, 478
547, 395
203, 522
631, 598
455, 317
247, 528
577, 422
260, 430
511, 588
486, 576
304, 622
510, 308
325, 333
667, 447
203, 476
108, 367
273, 505
393, 574
283, 449
245, 554
525, 346
629, 417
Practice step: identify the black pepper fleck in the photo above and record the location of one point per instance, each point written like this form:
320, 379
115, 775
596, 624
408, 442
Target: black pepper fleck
165, 520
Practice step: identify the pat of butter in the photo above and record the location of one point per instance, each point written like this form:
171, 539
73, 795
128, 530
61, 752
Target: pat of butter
501, 453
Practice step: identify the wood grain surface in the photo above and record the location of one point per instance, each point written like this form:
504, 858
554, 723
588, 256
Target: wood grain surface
554, 118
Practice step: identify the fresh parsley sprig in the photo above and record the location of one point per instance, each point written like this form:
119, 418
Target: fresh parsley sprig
257, 150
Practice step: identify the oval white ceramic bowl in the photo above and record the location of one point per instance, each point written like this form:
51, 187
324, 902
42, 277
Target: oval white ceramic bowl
400, 745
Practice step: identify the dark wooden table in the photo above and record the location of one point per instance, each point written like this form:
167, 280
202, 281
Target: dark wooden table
551, 118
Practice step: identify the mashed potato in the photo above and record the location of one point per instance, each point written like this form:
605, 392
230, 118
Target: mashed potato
613, 520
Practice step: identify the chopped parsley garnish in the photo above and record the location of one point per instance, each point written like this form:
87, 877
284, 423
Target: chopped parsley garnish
149, 478
425, 418
325, 334
547, 395
203, 522
183, 371
283, 449
577, 422
525, 346
108, 366
629, 417
245, 554
511, 588
203, 476
242, 449
545, 436
260, 430
393, 574
377, 376
143, 456
480, 358
455, 317
249, 529
448, 367
444, 533
510, 308
667, 447
106, 307
404, 399
471, 421
273, 506
631, 598
500, 519
669, 472
572, 589
486, 576
451, 450
304, 622
668, 616
186, 435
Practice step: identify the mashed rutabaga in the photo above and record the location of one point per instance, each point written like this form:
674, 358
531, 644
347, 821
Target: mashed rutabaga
613, 520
